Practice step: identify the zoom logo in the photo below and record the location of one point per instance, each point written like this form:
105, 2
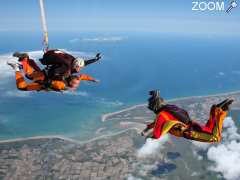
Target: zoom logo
208, 6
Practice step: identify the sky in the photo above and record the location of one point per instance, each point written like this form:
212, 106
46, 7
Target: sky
173, 16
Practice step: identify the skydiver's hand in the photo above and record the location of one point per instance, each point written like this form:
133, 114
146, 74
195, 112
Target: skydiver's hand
96, 81
144, 132
98, 56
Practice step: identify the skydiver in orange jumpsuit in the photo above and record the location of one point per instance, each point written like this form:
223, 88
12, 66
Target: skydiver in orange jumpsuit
39, 78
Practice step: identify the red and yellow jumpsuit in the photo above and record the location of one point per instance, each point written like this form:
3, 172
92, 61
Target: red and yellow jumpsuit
34, 73
210, 132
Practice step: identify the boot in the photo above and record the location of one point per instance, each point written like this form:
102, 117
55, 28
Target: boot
14, 65
20, 55
224, 105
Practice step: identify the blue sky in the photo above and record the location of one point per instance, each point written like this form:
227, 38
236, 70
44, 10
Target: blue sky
174, 16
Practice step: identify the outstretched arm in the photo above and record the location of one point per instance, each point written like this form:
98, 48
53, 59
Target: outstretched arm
90, 61
85, 77
149, 127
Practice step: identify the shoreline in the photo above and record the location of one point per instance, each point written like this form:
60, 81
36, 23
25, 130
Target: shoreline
48, 137
103, 119
105, 116
37, 138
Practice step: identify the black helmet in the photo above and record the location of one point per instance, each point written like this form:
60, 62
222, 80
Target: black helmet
155, 102
20, 55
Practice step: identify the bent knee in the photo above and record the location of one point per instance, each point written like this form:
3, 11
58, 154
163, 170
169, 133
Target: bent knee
22, 86
58, 85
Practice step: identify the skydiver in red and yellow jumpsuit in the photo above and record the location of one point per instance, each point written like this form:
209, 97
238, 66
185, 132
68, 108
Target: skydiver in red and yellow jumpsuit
176, 121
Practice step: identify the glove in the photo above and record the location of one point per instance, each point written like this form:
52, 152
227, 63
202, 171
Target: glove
144, 132
96, 81
98, 56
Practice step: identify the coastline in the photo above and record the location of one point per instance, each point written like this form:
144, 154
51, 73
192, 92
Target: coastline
48, 137
105, 116
103, 119
37, 138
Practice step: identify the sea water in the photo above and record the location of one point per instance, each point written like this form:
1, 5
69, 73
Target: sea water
132, 64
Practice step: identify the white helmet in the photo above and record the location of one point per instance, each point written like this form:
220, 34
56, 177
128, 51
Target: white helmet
78, 62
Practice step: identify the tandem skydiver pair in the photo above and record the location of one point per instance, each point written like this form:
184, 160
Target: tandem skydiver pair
59, 74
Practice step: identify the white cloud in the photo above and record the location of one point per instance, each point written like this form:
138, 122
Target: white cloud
98, 39
221, 73
5, 70
77, 93
17, 93
230, 133
131, 177
236, 72
143, 168
84, 55
201, 145
226, 156
35, 55
105, 39
195, 174
152, 146
74, 40
109, 103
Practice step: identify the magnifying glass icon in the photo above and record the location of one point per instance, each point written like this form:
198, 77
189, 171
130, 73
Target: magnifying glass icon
233, 4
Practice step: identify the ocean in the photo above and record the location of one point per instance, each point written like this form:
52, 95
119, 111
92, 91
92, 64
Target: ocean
132, 64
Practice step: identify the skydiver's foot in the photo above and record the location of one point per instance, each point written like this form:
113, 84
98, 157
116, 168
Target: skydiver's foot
224, 105
20, 55
14, 65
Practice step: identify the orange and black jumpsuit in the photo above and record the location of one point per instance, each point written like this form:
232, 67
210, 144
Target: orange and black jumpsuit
34, 73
